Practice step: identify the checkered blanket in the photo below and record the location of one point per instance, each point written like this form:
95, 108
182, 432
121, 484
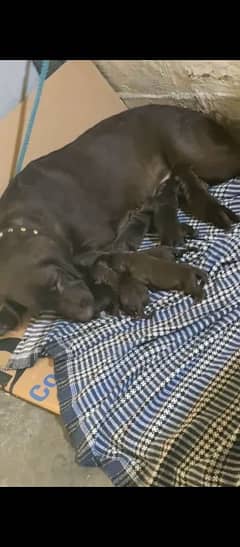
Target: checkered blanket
155, 402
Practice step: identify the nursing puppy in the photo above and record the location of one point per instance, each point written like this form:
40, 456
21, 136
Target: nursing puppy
116, 290
164, 212
126, 276
133, 228
75, 198
159, 273
158, 214
131, 296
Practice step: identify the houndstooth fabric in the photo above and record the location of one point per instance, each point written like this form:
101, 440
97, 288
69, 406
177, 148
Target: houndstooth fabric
155, 402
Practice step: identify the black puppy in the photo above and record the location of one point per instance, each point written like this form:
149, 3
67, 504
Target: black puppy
131, 296
74, 199
161, 274
105, 298
133, 228
114, 292
165, 222
128, 274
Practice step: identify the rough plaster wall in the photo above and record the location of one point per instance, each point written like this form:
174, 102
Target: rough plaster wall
205, 85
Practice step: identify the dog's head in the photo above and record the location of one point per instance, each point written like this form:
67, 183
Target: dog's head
37, 273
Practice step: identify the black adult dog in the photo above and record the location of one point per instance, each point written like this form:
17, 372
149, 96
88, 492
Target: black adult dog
74, 199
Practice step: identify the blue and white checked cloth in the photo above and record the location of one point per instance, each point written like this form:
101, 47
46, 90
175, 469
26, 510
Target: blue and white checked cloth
155, 402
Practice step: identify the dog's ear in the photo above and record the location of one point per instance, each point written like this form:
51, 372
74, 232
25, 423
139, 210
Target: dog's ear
56, 281
70, 295
63, 278
59, 285
60, 278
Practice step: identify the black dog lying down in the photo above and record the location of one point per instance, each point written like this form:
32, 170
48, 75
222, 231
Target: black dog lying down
73, 200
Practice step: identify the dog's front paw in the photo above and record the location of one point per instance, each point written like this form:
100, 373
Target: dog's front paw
223, 217
233, 217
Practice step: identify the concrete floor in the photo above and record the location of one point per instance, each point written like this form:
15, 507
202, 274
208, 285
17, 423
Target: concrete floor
35, 451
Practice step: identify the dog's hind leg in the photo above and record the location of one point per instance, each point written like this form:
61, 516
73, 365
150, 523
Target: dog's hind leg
194, 198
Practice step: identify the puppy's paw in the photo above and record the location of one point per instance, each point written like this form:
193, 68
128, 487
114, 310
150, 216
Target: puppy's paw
187, 230
133, 298
114, 309
194, 282
170, 235
103, 274
174, 233
201, 275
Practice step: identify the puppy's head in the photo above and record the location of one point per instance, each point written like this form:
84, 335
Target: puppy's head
37, 273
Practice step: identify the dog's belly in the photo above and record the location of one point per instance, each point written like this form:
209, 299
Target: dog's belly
211, 160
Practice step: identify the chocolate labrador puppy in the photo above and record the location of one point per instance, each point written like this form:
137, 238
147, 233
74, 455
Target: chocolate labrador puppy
74, 199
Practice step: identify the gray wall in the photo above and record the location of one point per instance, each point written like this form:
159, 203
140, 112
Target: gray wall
206, 85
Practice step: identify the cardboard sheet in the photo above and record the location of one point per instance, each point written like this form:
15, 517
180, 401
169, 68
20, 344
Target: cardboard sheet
74, 98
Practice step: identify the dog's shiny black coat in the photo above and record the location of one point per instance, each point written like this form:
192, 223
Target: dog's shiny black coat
77, 197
